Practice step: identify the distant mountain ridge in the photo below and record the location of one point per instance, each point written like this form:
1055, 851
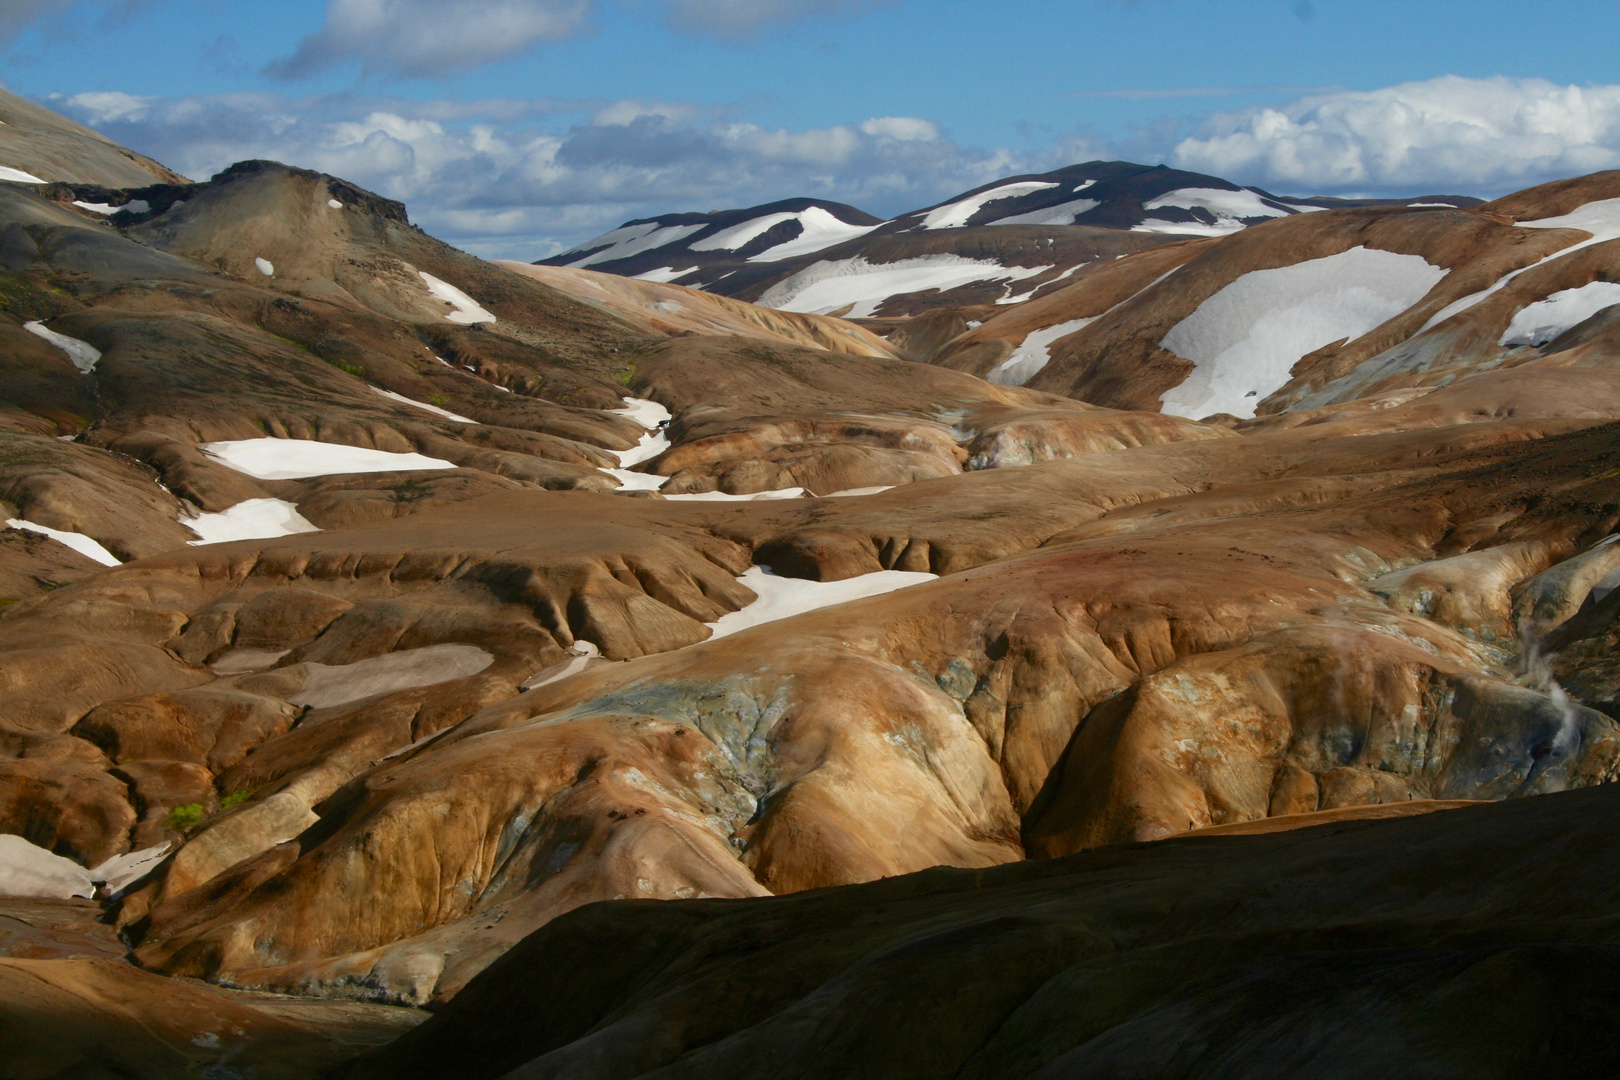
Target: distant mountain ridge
760, 253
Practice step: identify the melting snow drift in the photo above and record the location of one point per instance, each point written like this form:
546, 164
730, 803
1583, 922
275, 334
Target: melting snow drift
1035, 353
955, 215
826, 287
1540, 322
17, 176
653, 417
632, 240
83, 354
467, 310
251, 519
1245, 339
403, 400
784, 597
297, 459
79, 542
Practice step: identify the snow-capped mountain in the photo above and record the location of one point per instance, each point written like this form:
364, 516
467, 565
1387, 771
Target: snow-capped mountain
1009, 240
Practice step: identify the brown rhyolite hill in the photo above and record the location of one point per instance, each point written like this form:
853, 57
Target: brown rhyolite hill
1141, 624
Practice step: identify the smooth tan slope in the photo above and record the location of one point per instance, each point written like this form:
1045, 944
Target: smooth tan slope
54, 148
660, 308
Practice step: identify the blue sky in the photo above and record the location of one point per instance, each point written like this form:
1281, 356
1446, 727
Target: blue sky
514, 127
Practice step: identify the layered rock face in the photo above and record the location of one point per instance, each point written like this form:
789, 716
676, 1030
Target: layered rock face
370, 607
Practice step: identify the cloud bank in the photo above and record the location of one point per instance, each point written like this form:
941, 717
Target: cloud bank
1450, 133
526, 178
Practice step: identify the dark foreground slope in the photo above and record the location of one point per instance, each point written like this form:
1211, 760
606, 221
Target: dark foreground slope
1477, 942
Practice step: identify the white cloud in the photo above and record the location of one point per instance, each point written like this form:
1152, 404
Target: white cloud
525, 180
1488, 135
904, 128
431, 37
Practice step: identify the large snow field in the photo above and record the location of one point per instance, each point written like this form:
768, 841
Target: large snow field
298, 459
1245, 338
327, 685
826, 287
1600, 217
1034, 353
1540, 322
434, 409
1062, 214
784, 597
821, 230
79, 542
955, 215
83, 354
17, 176
633, 240
467, 310
251, 519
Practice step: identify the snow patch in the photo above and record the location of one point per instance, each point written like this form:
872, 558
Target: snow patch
467, 310
1544, 320
821, 230
665, 274
79, 542
121, 871
1034, 354
1009, 298
740, 235
266, 267
720, 496
251, 519
825, 287
28, 870
298, 459
1601, 218
955, 215
134, 206
652, 416
17, 176
784, 597
434, 409
1062, 214
1245, 338
334, 204
1188, 228
83, 354
1229, 207
632, 240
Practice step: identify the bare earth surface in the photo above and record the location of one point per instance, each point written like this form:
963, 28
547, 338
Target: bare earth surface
1078, 730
